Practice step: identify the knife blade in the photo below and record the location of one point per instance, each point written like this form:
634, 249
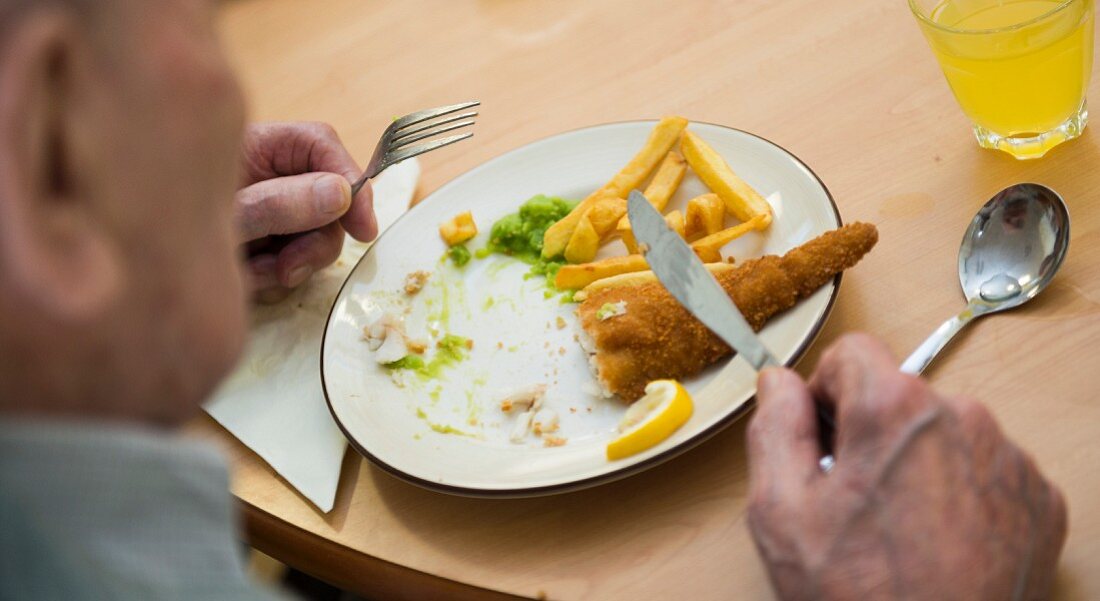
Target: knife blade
686, 278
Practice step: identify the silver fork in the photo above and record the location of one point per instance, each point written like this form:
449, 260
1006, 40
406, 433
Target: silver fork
398, 141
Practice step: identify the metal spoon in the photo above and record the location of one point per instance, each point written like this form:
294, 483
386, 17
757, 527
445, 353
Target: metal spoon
1010, 252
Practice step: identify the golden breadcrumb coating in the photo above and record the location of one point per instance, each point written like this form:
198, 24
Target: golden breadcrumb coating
657, 338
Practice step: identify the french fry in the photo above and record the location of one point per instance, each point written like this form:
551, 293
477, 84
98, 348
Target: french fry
675, 221
459, 229
575, 277
558, 235
741, 200
706, 215
664, 184
606, 213
713, 243
584, 243
660, 142
635, 278
627, 236
666, 180
658, 192
708, 254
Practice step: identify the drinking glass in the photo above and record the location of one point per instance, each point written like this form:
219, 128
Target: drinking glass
1018, 68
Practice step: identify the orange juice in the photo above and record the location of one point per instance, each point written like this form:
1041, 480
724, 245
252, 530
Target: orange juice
1019, 69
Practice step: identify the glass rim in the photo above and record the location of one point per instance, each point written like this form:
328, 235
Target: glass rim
920, 14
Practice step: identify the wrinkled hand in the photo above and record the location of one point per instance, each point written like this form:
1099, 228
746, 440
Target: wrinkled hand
296, 204
928, 499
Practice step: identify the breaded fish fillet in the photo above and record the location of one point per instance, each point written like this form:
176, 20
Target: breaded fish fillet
657, 338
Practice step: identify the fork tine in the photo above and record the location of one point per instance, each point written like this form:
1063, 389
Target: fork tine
403, 142
408, 131
411, 151
419, 116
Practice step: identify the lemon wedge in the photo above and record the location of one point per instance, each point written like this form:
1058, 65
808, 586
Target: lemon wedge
652, 418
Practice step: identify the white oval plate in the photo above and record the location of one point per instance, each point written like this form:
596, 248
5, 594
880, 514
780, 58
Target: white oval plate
517, 341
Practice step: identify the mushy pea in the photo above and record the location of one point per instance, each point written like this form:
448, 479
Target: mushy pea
459, 255
520, 234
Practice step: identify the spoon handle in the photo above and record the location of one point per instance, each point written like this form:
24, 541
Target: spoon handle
927, 351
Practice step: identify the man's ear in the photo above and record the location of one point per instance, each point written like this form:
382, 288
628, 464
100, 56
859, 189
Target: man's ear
57, 254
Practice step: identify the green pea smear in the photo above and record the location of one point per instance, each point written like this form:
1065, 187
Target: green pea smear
520, 235
441, 428
449, 351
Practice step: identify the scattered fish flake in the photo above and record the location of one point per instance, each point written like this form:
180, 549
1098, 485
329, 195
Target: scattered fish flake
553, 441
414, 282
525, 398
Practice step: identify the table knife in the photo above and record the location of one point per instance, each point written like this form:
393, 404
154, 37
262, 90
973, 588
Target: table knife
688, 281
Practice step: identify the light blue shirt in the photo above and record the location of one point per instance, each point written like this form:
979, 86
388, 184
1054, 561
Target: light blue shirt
109, 512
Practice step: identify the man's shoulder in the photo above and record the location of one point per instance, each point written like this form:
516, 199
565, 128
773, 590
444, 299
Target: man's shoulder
32, 566
91, 513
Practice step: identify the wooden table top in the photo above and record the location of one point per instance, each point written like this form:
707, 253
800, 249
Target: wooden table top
852, 89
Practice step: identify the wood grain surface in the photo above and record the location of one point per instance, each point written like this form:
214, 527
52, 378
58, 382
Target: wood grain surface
849, 87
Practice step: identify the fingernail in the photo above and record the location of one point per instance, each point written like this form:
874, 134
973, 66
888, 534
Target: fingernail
332, 194
298, 276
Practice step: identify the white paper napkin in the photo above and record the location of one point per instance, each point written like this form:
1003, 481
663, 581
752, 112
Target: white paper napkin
273, 401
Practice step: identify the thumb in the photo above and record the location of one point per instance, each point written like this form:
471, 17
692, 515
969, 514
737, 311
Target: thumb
783, 438
290, 205
360, 220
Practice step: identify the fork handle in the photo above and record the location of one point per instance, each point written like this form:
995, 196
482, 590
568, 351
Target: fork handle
372, 170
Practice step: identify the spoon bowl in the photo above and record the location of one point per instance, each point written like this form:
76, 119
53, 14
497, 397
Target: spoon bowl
1010, 252
1014, 246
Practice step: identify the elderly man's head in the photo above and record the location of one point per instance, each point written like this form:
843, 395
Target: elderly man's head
119, 132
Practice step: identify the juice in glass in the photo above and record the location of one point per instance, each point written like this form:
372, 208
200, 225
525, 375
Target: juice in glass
1019, 69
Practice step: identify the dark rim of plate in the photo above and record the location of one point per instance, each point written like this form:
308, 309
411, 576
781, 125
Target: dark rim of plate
626, 470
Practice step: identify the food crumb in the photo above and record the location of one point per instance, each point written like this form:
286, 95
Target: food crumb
553, 441
417, 346
589, 409
576, 338
414, 282
561, 350
572, 410
561, 323
469, 344
500, 346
